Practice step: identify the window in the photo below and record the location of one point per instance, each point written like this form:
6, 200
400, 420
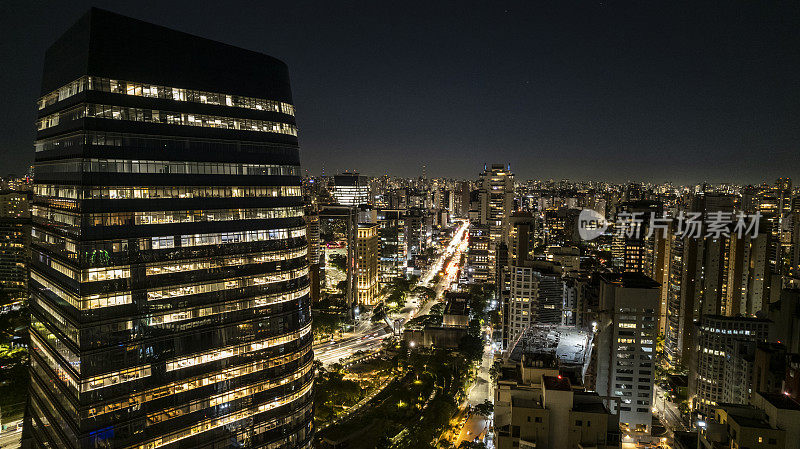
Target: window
154, 91
579, 423
114, 112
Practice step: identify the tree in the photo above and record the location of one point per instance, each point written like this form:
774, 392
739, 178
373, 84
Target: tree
338, 261
472, 445
384, 442
495, 372
485, 409
426, 293
472, 347
437, 309
379, 313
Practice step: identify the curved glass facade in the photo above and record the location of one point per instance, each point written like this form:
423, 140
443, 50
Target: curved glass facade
169, 278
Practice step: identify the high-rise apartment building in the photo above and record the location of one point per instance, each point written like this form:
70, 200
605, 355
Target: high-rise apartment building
366, 263
314, 253
629, 305
15, 240
496, 187
657, 267
716, 335
478, 252
729, 275
169, 277
630, 244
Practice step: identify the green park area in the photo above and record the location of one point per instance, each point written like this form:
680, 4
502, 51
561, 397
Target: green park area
13, 361
422, 390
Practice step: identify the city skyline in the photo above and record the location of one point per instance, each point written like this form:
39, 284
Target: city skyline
561, 225
591, 91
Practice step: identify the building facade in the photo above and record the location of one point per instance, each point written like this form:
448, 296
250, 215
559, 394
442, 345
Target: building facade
367, 253
15, 240
716, 335
537, 407
626, 347
350, 189
169, 278
496, 194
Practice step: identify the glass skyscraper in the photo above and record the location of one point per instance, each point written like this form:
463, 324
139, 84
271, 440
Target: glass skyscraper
169, 274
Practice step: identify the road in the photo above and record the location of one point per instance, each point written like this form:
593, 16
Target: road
329, 353
10, 440
368, 336
668, 411
476, 425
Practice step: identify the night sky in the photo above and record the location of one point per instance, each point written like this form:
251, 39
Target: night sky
671, 91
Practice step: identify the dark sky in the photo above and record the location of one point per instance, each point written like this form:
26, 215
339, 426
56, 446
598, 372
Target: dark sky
584, 90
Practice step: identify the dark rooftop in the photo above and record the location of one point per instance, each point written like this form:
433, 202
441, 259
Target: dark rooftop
588, 403
781, 401
556, 383
524, 402
457, 304
630, 280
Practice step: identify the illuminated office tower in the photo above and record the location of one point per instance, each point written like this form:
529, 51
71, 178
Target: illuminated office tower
367, 248
496, 187
169, 277
350, 189
393, 249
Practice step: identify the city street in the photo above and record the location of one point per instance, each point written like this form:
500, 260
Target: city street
668, 411
477, 426
9, 439
368, 336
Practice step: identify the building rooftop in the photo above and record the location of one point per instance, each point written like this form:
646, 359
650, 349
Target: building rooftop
457, 304
542, 342
629, 280
560, 383
781, 401
588, 403
524, 402
746, 415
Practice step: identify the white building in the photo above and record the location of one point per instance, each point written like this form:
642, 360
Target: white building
626, 348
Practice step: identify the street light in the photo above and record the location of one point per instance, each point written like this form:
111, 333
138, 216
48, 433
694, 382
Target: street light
700, 425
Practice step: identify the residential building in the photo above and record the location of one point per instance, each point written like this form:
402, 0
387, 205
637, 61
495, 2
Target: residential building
537, 407
496, 195
15, 245
716, 335
626, 333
